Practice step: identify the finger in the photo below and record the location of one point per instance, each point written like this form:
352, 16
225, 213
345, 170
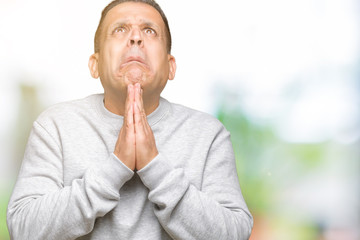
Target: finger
141, 130
140, 106
145, 116
138, 97
138, 120
130, 128
130, 119
129, 102
130, 96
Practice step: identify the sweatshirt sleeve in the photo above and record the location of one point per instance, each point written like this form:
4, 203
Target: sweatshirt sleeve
41, 207
216, 211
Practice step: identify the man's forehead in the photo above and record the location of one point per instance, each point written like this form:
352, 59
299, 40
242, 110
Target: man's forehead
134, 11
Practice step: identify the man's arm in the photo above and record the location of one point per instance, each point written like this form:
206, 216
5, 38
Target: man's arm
41, 207
216, 211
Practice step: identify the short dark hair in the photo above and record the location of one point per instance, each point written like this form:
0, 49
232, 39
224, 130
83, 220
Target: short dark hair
117, 2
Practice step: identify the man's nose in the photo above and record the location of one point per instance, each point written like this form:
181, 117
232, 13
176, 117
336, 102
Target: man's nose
136, 38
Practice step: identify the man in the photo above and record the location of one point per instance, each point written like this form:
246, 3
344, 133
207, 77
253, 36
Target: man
127, 164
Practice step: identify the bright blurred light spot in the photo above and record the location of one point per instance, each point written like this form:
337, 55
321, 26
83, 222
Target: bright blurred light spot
324, 111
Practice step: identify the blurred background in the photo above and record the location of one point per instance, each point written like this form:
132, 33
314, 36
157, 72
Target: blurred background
283, 76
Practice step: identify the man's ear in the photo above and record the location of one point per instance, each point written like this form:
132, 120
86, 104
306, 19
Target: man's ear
94, 65
172, 66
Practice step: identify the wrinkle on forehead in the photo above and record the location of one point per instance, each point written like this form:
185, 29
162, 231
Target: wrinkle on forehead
130, 12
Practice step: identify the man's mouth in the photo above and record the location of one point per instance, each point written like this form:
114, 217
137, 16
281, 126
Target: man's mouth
133, 59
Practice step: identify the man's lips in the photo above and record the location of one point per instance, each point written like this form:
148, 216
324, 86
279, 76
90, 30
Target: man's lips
135, 59
130, 60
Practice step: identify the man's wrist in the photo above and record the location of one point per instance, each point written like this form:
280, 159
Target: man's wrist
143, 164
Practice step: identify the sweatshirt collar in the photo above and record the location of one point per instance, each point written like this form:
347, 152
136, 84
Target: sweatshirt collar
160, 112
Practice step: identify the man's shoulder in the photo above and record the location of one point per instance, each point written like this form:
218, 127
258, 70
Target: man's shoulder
195, 117
65, 111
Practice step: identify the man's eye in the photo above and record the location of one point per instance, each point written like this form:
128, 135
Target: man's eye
150, 31
119, 30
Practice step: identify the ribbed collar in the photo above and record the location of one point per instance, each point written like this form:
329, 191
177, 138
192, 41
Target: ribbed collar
116, 120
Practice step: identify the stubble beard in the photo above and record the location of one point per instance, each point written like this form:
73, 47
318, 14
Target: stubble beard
135, 75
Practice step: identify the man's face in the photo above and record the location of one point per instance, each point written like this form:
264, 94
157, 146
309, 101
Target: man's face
133, 50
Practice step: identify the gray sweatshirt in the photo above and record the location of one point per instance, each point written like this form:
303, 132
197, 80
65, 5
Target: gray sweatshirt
71, 185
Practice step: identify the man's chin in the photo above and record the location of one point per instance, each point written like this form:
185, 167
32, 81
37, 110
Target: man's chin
135, 75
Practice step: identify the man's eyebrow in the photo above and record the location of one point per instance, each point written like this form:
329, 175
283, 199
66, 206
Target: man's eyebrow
144, 23
118, 23
149, 24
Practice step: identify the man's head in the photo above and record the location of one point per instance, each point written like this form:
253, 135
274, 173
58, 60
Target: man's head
97, 40
132, 46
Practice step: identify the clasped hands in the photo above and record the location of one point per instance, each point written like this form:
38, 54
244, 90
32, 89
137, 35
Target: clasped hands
136, 145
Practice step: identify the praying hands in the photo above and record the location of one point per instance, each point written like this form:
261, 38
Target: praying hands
136, 145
